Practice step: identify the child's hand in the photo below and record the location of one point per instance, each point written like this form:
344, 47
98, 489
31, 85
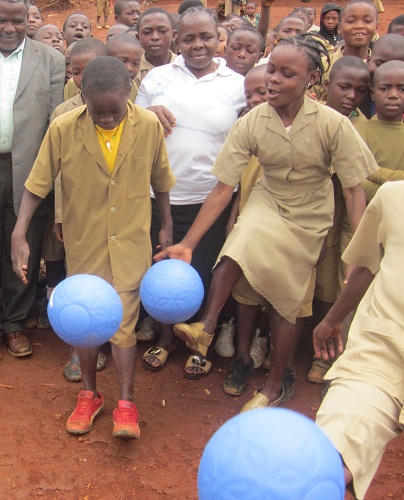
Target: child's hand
57, 231
19, 257
327, 340
166, 118
179, 251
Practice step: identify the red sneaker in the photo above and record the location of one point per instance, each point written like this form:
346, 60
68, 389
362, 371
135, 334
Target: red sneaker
125, 421
88, 407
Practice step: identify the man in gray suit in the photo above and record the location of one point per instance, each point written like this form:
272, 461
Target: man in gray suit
31, 85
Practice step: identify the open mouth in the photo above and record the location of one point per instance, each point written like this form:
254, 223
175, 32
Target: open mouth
78, 36
272, 92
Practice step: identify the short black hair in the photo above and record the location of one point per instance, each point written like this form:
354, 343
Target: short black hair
74, 14
186, 4
105, 74
303, 10
122, 39
348, 62
251, 2
25, 2
387, 66
283, 21
397, 21
353, 2
392, 41
249, 29
193, 10
88, 45
154, 10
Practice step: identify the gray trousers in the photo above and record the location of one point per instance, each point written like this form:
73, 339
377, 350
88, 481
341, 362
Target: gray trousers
16, 297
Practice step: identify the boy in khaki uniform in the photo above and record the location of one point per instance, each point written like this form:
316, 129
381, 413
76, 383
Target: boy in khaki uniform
109, 153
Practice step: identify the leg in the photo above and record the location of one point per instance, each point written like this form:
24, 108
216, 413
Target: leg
125, 366
198, 336
282, 338
245, 328
154, 360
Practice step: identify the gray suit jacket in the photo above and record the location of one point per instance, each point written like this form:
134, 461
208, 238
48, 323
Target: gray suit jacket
39, 91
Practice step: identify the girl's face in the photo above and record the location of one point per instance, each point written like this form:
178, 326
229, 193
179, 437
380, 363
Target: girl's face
254, 87
34, 21
286, 77
198, 40
331, 21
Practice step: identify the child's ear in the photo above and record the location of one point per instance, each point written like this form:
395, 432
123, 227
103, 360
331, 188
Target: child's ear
175, 36
372, 93
327, 85
314, 77
117, 21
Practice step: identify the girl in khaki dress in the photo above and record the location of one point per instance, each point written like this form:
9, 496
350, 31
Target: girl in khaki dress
278, 237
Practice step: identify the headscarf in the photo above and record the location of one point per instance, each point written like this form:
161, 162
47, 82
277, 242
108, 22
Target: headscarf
332, 38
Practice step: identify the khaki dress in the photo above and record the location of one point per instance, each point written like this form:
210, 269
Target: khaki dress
279, 234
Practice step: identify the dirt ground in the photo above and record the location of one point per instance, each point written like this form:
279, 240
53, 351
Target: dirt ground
177, 416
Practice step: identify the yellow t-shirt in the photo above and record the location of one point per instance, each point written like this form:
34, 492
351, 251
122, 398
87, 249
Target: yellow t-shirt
109, 142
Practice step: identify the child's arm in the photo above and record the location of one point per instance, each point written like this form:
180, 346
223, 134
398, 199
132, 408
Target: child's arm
234, 213
19, 246
386, 175
166, 231
166, 118
263, 23
213, 206
370, 188
327, 339
355, 204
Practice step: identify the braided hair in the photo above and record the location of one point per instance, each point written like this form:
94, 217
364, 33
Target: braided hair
313, 47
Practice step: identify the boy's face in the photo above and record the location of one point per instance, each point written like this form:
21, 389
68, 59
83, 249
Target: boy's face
291, 27
380, 55
107, 109
331, 20
242, 51
347, 90
250, 9
254, 88
198, 40
13, 22
156, 34
34, 21
358, 24
388, 94
130, 55
77, 65
51, 35
130, 14
77, 28
223, 36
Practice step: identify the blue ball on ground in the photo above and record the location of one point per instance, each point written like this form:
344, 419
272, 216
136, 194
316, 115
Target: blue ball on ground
271, 454
171, 291
85, 311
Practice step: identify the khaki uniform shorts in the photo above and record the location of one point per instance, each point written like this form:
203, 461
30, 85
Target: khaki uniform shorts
125, 335
360, 419
52, 249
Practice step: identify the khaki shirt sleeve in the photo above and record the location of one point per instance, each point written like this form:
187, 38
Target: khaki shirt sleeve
47, 164
352, 159
366, 249
235, 154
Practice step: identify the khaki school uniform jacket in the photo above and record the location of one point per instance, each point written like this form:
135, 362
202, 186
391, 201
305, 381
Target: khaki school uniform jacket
106, 216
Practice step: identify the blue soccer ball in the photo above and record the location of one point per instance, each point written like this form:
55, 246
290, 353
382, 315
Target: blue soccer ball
85, 310
171, 291
270, 454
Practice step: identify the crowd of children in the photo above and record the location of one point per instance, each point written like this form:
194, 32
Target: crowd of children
259, 149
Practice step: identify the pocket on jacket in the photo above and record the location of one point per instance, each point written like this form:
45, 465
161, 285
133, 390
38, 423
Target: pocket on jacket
138, 176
